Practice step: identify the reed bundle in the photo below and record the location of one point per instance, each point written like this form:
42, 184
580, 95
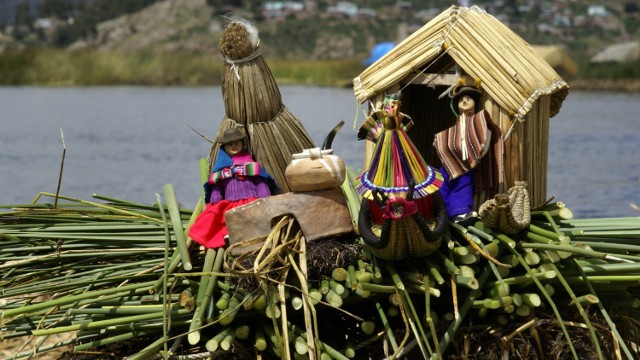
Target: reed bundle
113, 271
253, 102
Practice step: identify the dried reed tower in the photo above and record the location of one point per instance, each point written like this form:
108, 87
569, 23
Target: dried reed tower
521, 90
253, 103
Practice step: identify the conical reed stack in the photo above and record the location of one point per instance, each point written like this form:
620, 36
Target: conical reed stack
253, 102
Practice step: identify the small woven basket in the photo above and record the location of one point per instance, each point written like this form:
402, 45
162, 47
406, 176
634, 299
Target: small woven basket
510, 212
405, 240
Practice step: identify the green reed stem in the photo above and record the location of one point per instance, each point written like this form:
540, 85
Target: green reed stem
605, 314
178, 230
581, 310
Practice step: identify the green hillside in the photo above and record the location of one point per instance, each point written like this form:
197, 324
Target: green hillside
320, 33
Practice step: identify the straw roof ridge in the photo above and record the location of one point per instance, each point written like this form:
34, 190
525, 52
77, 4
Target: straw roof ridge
510, 69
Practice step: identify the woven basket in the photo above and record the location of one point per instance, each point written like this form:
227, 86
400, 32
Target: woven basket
405, 239
510, 212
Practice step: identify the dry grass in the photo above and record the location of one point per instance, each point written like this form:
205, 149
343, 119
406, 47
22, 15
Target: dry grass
10, 347
484, 341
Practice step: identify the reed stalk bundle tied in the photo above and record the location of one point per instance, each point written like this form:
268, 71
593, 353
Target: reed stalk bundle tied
253, 103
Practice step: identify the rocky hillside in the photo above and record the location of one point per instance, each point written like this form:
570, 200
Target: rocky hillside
169, 25
178, 25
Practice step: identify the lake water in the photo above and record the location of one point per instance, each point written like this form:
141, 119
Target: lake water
128, 142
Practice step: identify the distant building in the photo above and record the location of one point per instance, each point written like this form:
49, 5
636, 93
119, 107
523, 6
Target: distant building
580, 20
367, 13
344, 7
597, 10
43, 23
560, 20
621, 53
546, 28
283, 6
403, 5
427, 14
558, 58
280, 9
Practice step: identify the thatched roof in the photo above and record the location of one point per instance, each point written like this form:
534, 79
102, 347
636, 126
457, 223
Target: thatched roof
624, 52
558, 58
512, 72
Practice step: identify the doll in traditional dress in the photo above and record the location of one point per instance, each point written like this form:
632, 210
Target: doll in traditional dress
402, 213
236, 179
470, 152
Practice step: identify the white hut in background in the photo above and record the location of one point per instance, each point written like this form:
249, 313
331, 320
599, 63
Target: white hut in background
624, 52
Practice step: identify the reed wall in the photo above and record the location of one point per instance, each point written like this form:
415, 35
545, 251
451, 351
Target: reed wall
526, 149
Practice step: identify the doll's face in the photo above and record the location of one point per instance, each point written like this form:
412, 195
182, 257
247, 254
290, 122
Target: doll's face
390, 105
233, 147
466, 104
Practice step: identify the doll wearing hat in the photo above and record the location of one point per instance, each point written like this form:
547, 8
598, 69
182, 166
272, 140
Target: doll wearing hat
470, 152
236, 179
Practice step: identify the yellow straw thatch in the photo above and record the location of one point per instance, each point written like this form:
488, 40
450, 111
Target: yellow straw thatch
512, 72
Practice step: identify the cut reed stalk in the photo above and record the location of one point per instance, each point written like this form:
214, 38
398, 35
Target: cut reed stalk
176, 221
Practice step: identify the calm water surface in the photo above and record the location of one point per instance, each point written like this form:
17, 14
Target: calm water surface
128, 142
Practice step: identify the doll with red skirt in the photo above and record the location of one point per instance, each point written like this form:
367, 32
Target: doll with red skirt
236, 179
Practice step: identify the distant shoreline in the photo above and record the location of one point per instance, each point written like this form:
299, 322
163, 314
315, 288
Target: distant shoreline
55, 67
607, 85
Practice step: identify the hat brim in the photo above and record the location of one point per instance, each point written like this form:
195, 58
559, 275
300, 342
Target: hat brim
231, 135
473, 92
231, 139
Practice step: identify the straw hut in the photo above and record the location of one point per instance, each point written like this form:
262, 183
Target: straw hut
559, 59
620, 53
521, 90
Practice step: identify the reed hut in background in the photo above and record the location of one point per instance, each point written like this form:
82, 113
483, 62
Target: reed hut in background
521, 90
253, 103
559, 60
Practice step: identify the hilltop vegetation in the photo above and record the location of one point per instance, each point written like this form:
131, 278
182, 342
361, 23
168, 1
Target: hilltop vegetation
317, 33
304, 32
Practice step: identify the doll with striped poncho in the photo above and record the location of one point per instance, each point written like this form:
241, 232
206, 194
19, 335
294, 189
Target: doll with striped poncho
471, 154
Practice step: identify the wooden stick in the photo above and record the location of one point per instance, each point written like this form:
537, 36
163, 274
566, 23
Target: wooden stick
64, 152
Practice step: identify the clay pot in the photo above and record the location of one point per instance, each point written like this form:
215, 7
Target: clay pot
315, 169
